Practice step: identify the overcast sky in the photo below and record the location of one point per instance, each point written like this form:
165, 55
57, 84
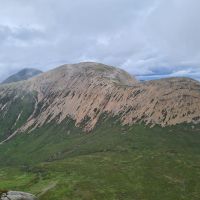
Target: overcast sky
148, 38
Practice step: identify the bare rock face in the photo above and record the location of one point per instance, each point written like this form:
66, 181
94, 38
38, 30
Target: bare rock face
85, 91
14, 195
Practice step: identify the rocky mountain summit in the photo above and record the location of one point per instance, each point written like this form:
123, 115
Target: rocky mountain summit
14, 195
24, 74
86, 91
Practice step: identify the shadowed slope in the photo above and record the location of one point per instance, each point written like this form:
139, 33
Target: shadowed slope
24, 74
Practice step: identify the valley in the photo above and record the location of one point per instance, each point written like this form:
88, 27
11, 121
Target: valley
112, 162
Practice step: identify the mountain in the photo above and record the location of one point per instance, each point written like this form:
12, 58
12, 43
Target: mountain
91, 131
85, 91
24, 74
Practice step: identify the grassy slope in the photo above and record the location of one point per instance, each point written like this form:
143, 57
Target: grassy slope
22, 105
112, 162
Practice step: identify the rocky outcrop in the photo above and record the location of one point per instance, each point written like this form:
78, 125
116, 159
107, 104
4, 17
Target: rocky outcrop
14, 195
85, 91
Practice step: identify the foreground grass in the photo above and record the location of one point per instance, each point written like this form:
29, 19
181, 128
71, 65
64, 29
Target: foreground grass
112, 163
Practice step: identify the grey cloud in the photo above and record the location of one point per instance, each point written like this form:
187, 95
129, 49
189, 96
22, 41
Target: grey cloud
148, 38
24, 34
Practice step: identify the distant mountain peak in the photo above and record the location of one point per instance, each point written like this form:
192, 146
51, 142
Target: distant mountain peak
23, 74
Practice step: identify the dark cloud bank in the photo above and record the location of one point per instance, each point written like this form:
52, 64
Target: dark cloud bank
148, 38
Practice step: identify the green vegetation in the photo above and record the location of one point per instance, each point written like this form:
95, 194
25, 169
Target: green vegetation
15, 113
113, 162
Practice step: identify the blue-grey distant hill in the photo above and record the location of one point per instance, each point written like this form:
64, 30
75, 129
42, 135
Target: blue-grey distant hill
24, 74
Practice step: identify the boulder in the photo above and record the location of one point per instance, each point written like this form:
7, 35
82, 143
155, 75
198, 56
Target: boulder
15, 195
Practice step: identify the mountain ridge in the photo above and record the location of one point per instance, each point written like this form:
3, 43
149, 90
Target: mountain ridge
23, 74
87, 90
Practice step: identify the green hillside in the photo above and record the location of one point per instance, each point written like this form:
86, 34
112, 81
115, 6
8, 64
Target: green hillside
113, 162
22, 105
